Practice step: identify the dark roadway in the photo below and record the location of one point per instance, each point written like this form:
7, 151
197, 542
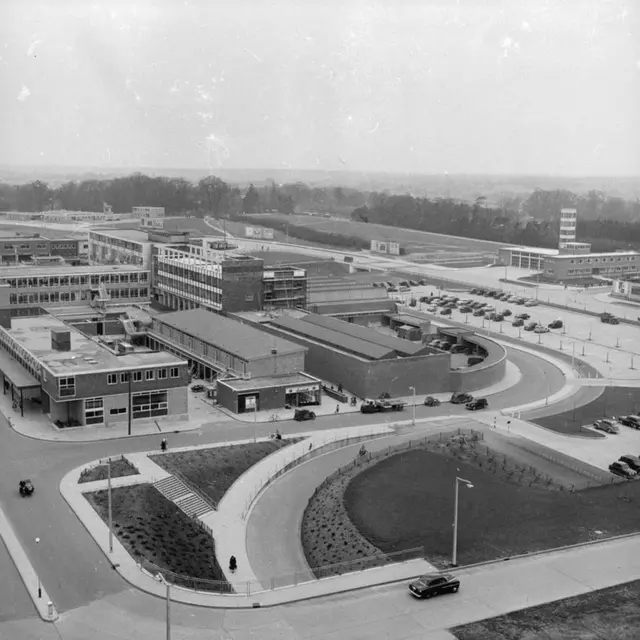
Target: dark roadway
72, 567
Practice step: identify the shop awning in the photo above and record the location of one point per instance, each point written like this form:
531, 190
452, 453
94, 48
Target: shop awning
16, 373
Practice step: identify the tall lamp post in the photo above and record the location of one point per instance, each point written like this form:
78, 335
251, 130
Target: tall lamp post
110, 506
413, 419
39, 583
454, 560
161, 579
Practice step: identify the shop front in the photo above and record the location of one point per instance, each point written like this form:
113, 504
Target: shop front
303, 396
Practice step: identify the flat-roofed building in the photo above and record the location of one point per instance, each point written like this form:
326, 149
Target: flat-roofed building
567, 267
525, 257
120, 246
284, 287
147, 212
77, 380
18, 249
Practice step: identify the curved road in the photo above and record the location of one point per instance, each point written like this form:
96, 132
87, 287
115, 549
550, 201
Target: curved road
73, 569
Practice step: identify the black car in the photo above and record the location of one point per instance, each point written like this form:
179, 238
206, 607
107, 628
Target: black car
556, 324
631, 460
478, 403
446, 311
518, 322
506, 312
198, 388
477, 313
630, 421
304, 414
430, 401
523, 316
433, 584
466, 310
461, 398
622, 469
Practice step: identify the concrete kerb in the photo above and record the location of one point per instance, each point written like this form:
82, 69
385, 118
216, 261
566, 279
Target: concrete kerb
135, 575
45, 608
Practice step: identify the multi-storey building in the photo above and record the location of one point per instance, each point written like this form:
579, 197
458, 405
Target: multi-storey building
78, 380
32, 288
119, 246
284, 288
568, 224
19, 249
147, 212
216, 280
561, 268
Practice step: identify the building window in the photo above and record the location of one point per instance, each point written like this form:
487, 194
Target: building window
149, 374
175, 373
124, 377
248, 297
112, 378
150, 404
162, 374
67, 387
137, 376
118, 412
94, 411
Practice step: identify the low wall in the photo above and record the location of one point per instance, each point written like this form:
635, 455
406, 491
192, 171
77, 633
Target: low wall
485, 374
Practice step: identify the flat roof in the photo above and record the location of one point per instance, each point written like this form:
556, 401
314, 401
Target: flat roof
539, 250
332, 338
405, 318
55, 270
612, 254
267, 382
85, 355
404, 347
13, 370
135, 235
243, 340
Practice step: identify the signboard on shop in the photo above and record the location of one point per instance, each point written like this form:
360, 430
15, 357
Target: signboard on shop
308, 388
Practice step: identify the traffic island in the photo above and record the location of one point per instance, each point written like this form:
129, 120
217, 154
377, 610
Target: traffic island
120, 467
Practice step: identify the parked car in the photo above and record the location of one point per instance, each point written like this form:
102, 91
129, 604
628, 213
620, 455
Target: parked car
459, 348
477, 403
198, 388
607, 425
413, 283
531, 326
433, 584
531, 303
459, 397
404, 283
432, 309
631, 460
304, 414
518, 322
608, 318
466, 309
446, 311
556, 324
475, 291
506, 312
622, 469
478, 312
541, 329
424, 299
430, 401
632, 421
446, 346
375, 284
520, 300
422, 283
523, 316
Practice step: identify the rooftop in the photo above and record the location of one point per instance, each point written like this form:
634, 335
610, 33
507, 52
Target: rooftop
85, 355
538, 250
611, 254
289, 380
231, 336
63, 270
133, 235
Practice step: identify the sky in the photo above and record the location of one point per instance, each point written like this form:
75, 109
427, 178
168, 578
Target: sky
538, 87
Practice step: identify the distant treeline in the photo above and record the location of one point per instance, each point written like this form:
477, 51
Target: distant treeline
607, 222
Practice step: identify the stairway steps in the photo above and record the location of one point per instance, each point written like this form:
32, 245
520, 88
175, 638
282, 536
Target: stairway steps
175, 490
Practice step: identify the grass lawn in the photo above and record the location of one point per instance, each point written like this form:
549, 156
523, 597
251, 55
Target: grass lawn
608, 614
615, 401
214, 469
407, 501
119, 468
151, 527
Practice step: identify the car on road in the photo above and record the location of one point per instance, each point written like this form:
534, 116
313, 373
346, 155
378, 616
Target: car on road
434, 584
430, 401
632, 421
459, 397
607, 425
631, 460
446, 311
608, 318
477, 403
531, 326
523, 316
622, 469
304, 414
531, 303
478, 312
556, 324
541, 329
377, 406
198, 388
518, 322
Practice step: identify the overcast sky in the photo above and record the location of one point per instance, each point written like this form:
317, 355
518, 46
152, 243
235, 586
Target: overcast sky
474, 86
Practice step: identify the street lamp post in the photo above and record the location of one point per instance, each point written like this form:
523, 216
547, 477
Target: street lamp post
110, 506
39, 583
454, 561
413, 419
161, 579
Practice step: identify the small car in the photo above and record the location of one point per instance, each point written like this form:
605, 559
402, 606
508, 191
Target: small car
404, 283
445, 312
518, 322
519, 300
459, 397
198, 388
523, 316
459, 348
466, 310
506, 312
477, 403
422, 283
475, 291
432, 309
375, 284
622, 469
433, 584
541, 329
430, 401
413, 283
556, 324
606, 425
301, 415
531, 326
531, 303
630, 421
478, 312
446, 346
630, 460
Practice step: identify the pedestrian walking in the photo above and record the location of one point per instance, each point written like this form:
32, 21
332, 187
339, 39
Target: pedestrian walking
163, 444
337, 408
233, 564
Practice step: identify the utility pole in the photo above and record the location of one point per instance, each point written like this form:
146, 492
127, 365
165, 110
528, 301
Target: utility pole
110, 506
129, 376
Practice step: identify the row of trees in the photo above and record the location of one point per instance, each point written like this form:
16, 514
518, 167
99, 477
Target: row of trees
607, 222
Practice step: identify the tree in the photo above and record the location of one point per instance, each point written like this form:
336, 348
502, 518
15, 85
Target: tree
35, 196
213, 192
251, 200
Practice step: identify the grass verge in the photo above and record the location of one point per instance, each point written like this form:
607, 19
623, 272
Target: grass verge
607, 614
119, 467
213, 470
152, 528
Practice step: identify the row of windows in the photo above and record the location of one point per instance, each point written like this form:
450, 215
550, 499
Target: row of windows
116, 242
45, 297
600, 260
149, 374
20, 354
601, 270
197, 294
13, 247
80, 280
193, 274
